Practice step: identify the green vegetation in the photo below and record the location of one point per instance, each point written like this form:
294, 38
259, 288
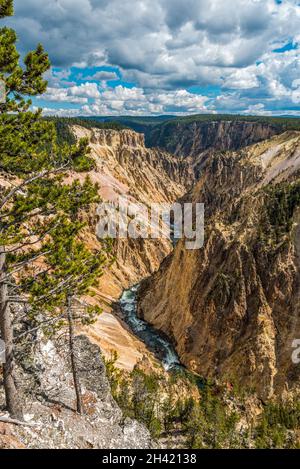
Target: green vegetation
175, 408
63, 127
43, 260
281, 202
279, 425
141, 124
283, 123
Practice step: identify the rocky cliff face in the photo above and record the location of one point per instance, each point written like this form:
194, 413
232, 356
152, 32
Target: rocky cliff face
197, 140
192, 138
232, 307
125, 167
116, 138
44, 376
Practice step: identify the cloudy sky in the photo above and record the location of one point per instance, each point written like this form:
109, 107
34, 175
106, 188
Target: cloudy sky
142, 57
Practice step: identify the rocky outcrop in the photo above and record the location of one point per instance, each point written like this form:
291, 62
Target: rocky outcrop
232, 307
117, 138
45, 379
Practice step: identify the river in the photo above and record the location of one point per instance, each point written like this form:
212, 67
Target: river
161, 347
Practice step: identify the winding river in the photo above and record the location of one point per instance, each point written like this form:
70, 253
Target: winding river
161, 347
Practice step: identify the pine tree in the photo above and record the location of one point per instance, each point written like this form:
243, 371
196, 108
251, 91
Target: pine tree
39, 213
6, 8
74, 269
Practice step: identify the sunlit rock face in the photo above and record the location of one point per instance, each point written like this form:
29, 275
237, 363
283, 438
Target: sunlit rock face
232, 307
117, 138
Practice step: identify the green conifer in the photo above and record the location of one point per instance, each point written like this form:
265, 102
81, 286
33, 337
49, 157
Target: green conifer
41, 255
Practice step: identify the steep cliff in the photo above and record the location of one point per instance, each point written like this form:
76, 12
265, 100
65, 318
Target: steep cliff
125, 167
232, 307
192, 138
196, 140
45, 380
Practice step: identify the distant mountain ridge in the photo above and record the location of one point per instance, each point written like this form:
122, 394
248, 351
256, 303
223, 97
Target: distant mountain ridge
146, 124
140, 124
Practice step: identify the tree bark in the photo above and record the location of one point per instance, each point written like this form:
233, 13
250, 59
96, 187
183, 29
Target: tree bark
13, 401
77, 387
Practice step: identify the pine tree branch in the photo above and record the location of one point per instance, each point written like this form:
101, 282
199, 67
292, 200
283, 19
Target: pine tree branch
5, 419
40, 175
37, 213
31, 243
70, 281
41, 324
20, 265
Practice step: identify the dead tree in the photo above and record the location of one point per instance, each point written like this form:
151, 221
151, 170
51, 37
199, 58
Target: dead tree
73, 358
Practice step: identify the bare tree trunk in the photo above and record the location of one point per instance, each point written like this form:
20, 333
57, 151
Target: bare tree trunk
13, 401
77, 386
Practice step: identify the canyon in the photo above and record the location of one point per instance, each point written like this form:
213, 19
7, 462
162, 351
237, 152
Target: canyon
232, 307
193, 137
196, 140
125, 166
227, 312
220, 306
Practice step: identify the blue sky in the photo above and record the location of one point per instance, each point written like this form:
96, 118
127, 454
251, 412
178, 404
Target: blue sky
152, 57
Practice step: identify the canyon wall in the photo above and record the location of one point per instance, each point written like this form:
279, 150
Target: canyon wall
125, 167
197, 140
194, 137
232, 307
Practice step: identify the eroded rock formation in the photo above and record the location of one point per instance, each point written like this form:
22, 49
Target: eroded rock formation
197, 140
232, 307
125, 167
192, 138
